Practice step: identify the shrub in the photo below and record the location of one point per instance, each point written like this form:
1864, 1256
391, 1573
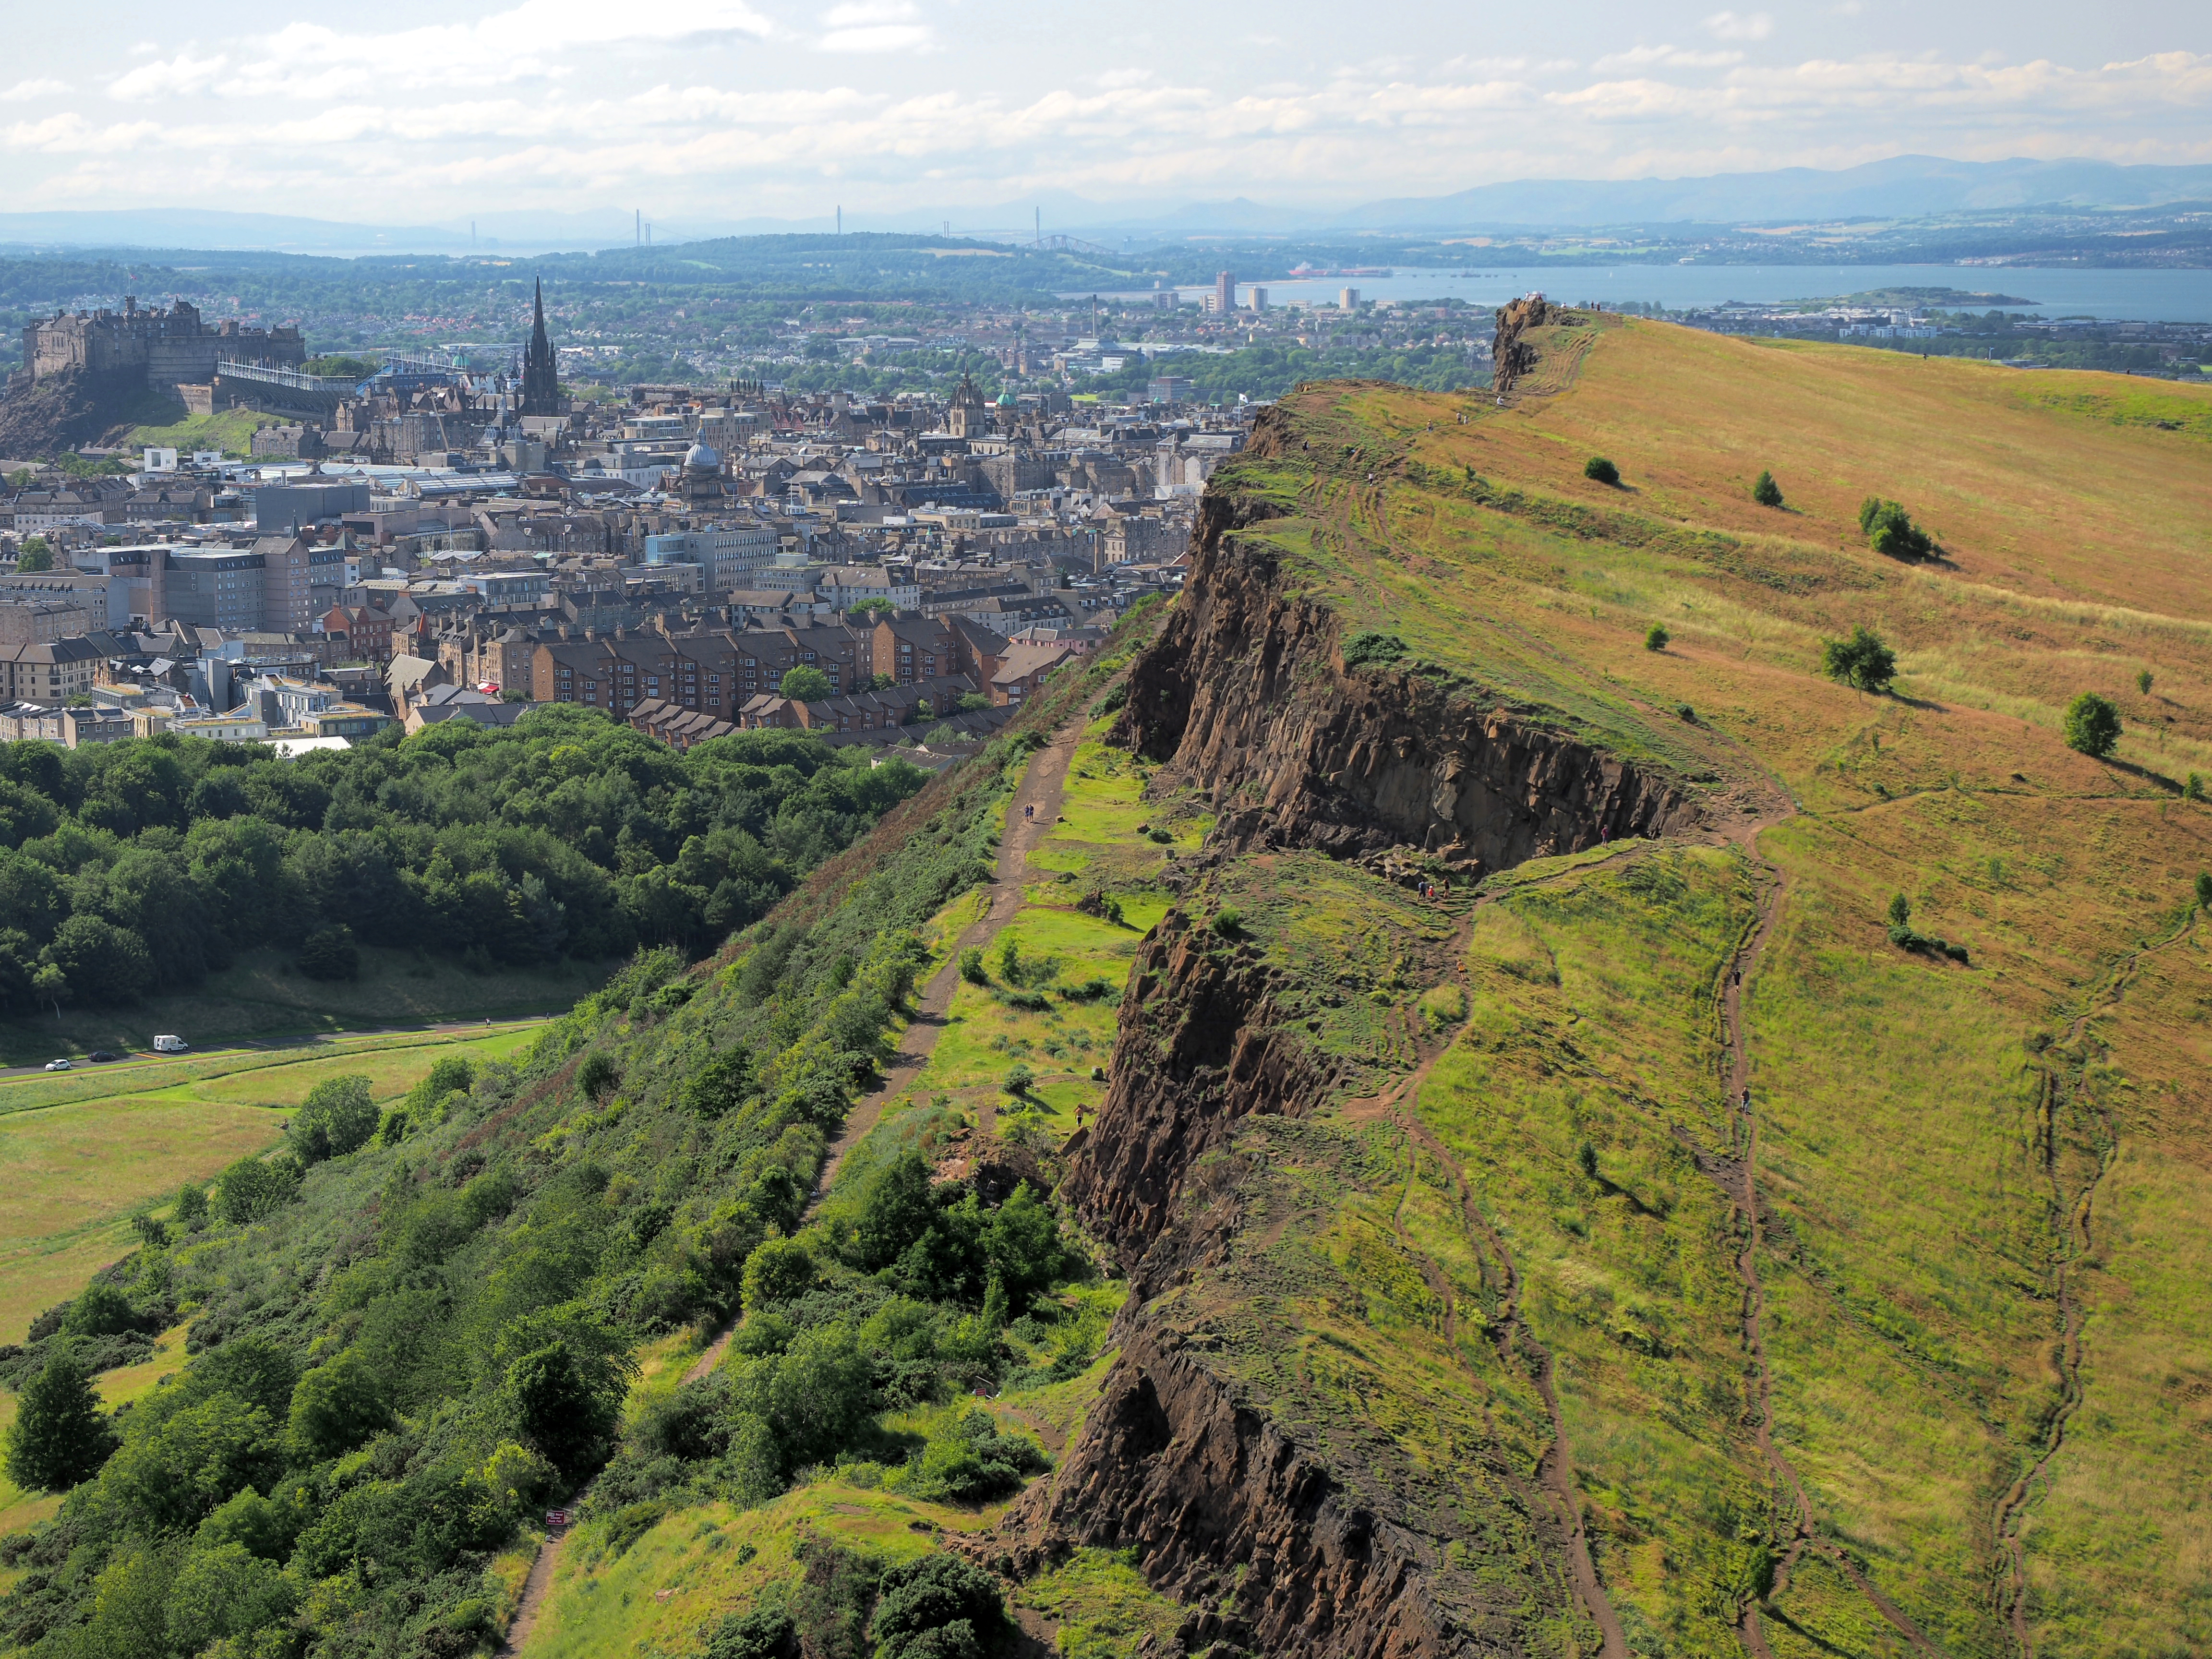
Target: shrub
335, 1407
562, 1406
1018, 1080
969, 1461
780, 1270
2204, 890
1228, 922
1601, 471
597, 1075
59, 1438
971, 966
330, 953
1862, 661
191, 1204
252, 1190
805, 685
2093, 725
1371, 649
1907, 938
2142, 681
1657, 639
2194, 789
717, 1088
941, 1607
1890, 528
339, 1117
1766, 491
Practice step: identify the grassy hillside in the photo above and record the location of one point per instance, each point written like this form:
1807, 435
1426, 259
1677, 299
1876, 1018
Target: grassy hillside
1987, 1315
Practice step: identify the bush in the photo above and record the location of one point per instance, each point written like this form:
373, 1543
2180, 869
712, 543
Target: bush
2093, 725
1862, 661
971, 966
2204, 890
779, 1270
597, 1075
562, 1406
59, 1438
2142, 681
1018, 1080
1601, 471
339, 1117
1890, 528
253, 1190
1368, 650
1766, 491
717, 1088
1907, 938
2194, 789
941, 1607
1229, 921
330, 953
191, 1204
1657, 639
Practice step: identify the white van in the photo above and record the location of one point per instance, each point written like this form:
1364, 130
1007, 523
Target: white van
170, 1045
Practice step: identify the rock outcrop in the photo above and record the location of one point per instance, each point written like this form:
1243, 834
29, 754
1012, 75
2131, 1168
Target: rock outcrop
1511, 356
1247, 691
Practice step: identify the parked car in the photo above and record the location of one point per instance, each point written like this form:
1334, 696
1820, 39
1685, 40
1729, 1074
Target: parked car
166, 1044
101, 1056
57, 1066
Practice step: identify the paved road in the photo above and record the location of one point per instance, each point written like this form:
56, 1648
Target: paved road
305, 1040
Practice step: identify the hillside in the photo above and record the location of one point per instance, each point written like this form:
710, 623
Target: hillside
1555, 1333
1516, 1185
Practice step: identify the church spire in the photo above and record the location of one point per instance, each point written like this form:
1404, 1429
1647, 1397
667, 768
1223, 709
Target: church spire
541, 374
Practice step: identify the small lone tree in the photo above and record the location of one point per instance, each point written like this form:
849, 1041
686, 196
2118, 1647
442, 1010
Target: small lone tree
2204, 890
1862, 661
1766, 491
2142, 681
1657, 638
805, 685
1601, 470
2093, 725
59, 1438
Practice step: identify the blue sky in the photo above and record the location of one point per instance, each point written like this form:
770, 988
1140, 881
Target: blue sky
409, 111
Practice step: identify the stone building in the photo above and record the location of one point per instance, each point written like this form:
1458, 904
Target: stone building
163, 348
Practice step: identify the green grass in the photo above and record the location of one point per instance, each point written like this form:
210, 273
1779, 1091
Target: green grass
1099, 1605
263, 996
229, 430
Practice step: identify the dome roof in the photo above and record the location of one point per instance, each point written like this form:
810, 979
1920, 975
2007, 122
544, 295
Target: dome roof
703, 457
1007, 398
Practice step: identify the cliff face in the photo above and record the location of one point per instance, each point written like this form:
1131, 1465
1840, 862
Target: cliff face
1279, 1540
1247, 692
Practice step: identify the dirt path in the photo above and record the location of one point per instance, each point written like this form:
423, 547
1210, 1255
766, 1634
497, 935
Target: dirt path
1041, 789
2076, 1211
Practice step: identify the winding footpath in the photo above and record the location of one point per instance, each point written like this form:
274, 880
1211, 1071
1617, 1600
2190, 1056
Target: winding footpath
1041, 789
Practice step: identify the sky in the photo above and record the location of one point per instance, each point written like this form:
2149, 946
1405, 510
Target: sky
413, 112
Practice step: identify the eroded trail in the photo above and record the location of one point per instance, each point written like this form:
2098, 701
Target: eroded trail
1036, 805
2073, 1214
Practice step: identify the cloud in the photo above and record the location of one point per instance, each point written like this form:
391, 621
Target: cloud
70, 133
1739, 25
23, 91
1664, 56
875, 26
171, 78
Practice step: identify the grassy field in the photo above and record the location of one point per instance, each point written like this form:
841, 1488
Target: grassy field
229, 430
263, 996
1955, 1156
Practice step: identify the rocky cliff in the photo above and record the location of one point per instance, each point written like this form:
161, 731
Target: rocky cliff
1277, 1540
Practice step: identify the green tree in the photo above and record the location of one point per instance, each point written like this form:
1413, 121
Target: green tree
1766, 491
59, 1438
897, 1207
225, 1592
51, 986
191, 1204
335, 1407
939, 1606
1657, 638
339, 1117
103, 962
38, 554
1602, 470
2142, 681
971, 966
1890, 528
130, 1606
562, 1406
804, 684
329, 953
2093, 725
253, 1189
1862, 661
779, 1270
2204, 890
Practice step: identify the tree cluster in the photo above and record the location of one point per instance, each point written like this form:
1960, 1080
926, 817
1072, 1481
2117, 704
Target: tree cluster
140, 867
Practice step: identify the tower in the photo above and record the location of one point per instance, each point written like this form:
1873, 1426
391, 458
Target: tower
541, 375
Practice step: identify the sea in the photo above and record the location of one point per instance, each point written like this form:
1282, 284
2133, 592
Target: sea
2150, 296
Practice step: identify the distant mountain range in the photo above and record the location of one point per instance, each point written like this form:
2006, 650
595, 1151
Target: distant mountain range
1905, 186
